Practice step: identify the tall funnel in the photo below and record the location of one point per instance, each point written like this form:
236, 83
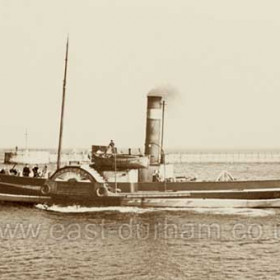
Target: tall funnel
153, 129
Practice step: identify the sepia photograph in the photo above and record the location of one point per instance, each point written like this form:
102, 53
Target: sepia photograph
140, 139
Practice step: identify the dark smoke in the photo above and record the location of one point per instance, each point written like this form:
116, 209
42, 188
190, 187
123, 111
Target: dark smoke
167, 92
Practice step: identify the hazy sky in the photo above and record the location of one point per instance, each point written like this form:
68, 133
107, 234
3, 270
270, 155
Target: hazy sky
222, 56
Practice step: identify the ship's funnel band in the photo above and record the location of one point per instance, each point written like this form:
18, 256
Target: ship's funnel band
153, 128
154, 114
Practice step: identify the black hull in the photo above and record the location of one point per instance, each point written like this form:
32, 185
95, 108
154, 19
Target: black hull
235, 200
21, 190
28, 190
200, 186
117, 200
20, 185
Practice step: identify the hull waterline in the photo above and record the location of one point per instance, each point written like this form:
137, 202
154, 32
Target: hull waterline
25, 199
254, 198
236, 194
203, 203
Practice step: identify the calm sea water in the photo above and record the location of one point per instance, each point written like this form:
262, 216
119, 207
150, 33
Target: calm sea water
131, 243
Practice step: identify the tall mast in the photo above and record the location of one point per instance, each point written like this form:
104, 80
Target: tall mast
162, 158
62, 106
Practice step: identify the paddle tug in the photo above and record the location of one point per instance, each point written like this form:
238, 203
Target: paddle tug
147, 181
135, 179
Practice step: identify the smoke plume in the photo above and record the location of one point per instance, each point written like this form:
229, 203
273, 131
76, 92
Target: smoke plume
167, 92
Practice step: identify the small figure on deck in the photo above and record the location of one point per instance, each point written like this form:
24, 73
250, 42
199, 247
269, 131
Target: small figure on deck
111, 148
35, 170
44, 171
156, 177
26, 170
13, 171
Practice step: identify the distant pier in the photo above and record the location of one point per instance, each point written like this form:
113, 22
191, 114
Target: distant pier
224, 157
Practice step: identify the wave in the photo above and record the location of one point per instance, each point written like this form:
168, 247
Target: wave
75, 209
82, 209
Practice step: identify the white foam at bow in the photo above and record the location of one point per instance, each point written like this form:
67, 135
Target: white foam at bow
211, 211
81, 209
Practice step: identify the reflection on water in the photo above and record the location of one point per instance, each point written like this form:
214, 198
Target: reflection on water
199, 244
